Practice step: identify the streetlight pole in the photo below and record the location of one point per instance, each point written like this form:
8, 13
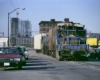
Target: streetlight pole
8, 29
8, 21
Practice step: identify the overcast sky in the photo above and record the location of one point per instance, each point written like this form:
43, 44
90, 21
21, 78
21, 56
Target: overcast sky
86, 12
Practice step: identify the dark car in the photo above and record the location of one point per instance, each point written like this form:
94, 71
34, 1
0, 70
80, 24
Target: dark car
11, 57
25, 52
22, 53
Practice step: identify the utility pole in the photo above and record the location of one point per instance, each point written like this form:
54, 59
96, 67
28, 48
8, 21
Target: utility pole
8, 20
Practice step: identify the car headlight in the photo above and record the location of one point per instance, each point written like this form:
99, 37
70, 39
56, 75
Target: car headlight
17, 59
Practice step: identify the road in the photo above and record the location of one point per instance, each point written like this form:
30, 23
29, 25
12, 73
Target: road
42, 67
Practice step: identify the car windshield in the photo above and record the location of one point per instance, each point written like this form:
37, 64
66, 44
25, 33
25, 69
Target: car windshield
9, 50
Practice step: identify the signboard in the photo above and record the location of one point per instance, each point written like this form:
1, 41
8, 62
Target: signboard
91, 41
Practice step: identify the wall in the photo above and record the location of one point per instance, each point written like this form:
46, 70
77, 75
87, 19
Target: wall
4, 40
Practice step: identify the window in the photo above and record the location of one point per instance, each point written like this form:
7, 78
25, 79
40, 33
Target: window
44, 29
10, 50
81, 33
24, 41
18, 41
48, 29
44, 24
27, 41
71, 33
61, 34
50, 25
47, 24
41, 25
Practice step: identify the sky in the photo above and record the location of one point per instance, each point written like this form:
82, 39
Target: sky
86, 12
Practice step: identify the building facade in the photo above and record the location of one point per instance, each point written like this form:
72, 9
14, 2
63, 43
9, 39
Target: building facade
24, 29
44, 26
14, 30
24, 40
20, 30
14, 27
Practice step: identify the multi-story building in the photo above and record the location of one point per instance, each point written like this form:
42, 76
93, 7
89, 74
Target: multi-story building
46, 25
20, 29
14, 30
24, 29
14, 27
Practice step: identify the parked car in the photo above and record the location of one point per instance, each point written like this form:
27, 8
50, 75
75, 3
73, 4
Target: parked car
25, 52
24, 57
11, 57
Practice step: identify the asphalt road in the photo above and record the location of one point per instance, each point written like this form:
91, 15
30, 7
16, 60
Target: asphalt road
42, 67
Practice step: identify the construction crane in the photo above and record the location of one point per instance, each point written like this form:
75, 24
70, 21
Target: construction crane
14, 8
2, 33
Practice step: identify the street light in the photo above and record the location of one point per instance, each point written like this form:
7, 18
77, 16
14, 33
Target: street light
8, 20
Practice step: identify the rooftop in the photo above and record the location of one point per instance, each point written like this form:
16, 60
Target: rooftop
53, 21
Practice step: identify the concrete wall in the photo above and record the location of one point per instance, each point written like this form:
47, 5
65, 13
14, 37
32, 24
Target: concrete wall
4, 40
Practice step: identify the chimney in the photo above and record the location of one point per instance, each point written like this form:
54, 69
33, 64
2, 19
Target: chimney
66, 19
